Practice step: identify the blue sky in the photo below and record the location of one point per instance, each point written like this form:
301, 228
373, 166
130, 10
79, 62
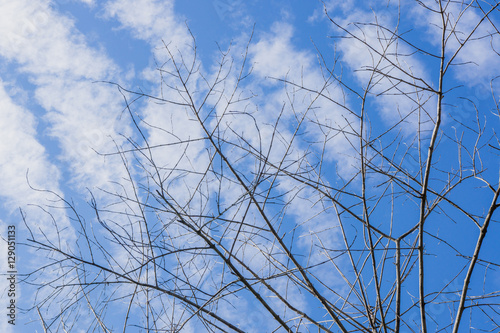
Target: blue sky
57, 108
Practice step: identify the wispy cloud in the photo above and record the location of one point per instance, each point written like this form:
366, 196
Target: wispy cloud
20, 152
479, 56
45, 47
307, 93
150, 20
56, 58
289, 105
23, 158
44, 42
385, 65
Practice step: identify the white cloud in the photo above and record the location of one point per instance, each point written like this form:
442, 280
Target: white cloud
157, 23
46, 47
85, 119
57, 59
385, 64
274, 55
479, 49
150, 20
46, 43
20, 151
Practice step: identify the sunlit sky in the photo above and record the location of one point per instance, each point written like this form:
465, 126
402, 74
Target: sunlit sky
57, 106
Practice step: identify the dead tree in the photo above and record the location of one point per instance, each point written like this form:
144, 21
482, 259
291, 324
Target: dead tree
359, 204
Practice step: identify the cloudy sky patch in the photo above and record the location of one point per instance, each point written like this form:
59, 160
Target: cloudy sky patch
85, 83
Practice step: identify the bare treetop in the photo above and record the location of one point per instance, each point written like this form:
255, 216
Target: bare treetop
361, 203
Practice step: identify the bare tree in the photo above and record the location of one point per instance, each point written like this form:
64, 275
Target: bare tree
342, 210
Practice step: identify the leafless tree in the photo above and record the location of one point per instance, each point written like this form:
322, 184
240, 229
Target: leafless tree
356, 205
